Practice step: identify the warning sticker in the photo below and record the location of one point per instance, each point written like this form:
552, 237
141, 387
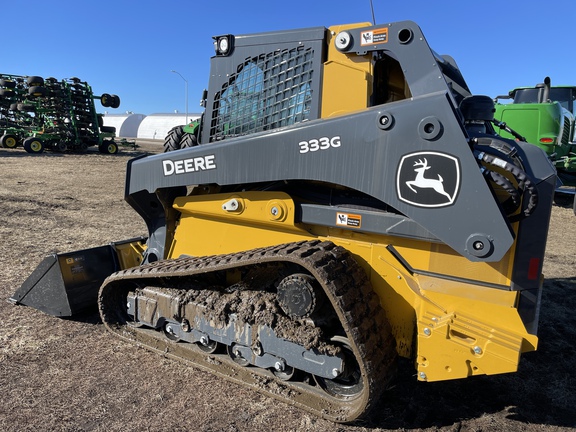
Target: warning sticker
76, 269
348, 220
72, 260
374, 37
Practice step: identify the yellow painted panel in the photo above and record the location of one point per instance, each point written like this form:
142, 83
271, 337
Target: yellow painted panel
347, 79
257, 219
441, 259
469, 337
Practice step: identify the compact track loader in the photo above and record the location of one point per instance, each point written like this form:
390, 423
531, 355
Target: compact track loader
346, 201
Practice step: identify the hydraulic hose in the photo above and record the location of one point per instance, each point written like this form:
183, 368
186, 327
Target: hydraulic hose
503, 125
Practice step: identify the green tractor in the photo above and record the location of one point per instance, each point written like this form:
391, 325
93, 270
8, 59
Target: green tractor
181, 137
544, 116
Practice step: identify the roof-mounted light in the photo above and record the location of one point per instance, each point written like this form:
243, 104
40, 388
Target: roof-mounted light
223, 45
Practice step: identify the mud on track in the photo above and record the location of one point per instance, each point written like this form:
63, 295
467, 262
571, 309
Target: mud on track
70, 375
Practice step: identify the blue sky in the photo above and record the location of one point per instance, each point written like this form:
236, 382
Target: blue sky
129, 47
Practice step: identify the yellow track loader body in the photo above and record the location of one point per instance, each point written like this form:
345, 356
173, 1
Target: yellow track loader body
343, 200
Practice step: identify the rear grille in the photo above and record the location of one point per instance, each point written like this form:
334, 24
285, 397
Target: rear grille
266, 92
566, 131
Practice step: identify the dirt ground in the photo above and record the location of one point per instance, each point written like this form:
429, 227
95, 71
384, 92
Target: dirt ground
71, 375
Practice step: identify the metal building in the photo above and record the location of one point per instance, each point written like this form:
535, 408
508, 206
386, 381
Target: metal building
126, 124
156, 126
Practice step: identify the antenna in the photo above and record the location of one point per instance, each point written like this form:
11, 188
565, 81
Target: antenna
373, 16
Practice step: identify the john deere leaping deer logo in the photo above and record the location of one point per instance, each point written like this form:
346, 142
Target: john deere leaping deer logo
422, 182
428, 179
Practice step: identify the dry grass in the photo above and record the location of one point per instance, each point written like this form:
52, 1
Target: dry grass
70, 375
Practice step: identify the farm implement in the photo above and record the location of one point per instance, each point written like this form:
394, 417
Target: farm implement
49, 114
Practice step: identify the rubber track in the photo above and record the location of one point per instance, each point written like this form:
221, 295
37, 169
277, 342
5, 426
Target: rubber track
345, 284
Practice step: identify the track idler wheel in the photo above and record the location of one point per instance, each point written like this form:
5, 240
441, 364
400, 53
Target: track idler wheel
348, 384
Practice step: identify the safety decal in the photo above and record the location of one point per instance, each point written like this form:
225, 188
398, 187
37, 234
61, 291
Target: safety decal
373, 37
73, 260
348, 220
428, 179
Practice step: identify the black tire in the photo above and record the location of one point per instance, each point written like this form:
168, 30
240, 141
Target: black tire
61, 147
115, 101
8, 141
105, 100
173, 138
100, 118
6, 83
33, 145
5, 92
108, 147
35, 81
107, 129
36, 91
188, 140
